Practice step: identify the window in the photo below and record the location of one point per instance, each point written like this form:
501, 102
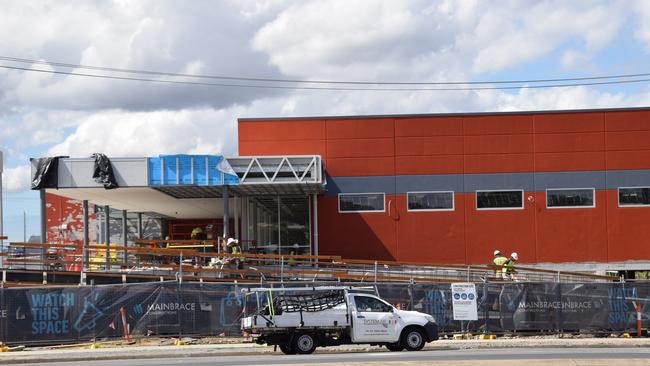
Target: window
634, 196
499, 200
361, 202
571, 197
370, 304
430, 201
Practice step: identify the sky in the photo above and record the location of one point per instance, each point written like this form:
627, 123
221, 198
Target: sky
43, 114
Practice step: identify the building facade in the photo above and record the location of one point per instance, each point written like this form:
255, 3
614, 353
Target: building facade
556, 187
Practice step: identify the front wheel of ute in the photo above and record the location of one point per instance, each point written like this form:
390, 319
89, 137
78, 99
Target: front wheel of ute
304, 344
413, 339
287, 350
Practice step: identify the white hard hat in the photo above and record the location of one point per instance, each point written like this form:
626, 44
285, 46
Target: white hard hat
514, 256
497, 252
231, 240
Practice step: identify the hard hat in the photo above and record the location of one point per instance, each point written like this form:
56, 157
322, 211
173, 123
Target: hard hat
497, 252
231, 240
514, 256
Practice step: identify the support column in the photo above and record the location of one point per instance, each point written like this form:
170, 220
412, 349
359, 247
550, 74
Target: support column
226, 198
43, 225
236, 215
125, 240
140, 228
107, 235
84, 249
315, 216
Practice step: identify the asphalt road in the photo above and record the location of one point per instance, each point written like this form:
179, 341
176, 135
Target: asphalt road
610, 356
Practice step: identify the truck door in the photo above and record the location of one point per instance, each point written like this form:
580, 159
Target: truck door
373, 320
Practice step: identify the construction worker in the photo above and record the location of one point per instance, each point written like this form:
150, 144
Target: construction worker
197, 234
499, 262
235, 248
292, 255
508, 268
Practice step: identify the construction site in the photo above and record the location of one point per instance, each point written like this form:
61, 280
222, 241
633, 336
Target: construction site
163, 246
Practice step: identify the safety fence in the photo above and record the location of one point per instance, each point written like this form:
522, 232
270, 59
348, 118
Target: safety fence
176, 308
203, 260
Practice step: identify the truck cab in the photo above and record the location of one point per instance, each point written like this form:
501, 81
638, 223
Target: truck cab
301, 319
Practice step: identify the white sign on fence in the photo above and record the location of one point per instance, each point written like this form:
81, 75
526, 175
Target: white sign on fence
463, 302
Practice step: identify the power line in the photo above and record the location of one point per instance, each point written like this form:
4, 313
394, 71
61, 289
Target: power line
277, 80
257, 86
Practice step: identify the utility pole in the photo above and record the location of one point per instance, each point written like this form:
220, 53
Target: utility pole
2, 232
24, 227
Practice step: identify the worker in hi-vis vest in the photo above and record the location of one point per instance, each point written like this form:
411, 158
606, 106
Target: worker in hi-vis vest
508, 268
499, 261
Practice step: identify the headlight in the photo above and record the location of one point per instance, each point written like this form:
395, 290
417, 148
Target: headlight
429, 318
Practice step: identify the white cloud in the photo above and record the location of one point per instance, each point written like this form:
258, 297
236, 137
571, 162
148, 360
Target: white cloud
16, 179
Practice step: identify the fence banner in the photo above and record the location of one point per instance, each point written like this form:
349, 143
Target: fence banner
70, 314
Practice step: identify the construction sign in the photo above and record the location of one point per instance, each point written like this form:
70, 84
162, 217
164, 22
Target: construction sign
463, 300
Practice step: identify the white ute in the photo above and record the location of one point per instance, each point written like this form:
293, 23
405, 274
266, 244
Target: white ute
302, 318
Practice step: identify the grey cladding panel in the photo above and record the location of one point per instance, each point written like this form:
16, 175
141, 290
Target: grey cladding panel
77, 173
436, 182
501, 181
585, 179
380, 184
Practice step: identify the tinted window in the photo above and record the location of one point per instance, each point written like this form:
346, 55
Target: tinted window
499, 199
361, 202
365, 303
431, 201
570, 198
634, 196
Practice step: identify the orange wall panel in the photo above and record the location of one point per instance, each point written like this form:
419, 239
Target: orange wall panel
436, 164
555, 162
628, 232
506, 230
568, 142
281, 130
436, 236
628, 140
634, 159
572, 234
360, 128
498, 163
347, 167
356, 235
569, 122
498, 125
433, 145
295, 147
358, 148
494, 144
627, 121
428, 126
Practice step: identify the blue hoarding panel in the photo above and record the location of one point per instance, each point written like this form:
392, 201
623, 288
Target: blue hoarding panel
200, 170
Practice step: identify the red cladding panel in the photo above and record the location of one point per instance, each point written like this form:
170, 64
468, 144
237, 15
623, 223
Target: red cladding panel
345, 167
433, 236
506, 230
436, 164
628, 140
355, 235
628, 232
435, 145
568, 142
635, 159
494, 144
498, 163
291, 147
572, 234
627, 121
281, 130
498, 125
557, 162
360, 128
569, 122
428, 126
359, 148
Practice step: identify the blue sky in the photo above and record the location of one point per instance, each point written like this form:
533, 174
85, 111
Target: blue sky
45, 115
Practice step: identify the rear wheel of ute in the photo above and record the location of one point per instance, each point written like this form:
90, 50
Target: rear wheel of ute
304, 344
